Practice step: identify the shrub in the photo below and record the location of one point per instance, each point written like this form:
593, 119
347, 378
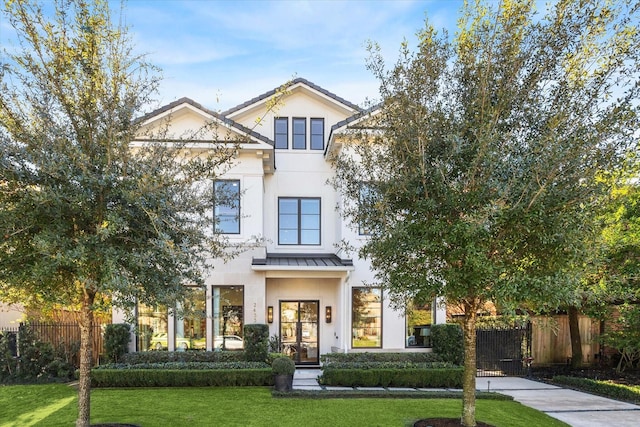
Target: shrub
331, 358
181, 356
256, 342
393, 377
603, 388
8, 357
116, 340
181, 377
448, 342
283, 366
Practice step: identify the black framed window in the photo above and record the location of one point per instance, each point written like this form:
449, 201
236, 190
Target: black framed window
299, 133
281, 132
227, 321
366, 317
317, 134
227, 208
298, 221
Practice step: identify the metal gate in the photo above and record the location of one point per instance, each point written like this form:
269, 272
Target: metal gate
503, 351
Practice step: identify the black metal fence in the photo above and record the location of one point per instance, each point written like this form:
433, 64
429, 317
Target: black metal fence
503, 351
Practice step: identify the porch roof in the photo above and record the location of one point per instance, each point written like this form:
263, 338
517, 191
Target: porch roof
306, 262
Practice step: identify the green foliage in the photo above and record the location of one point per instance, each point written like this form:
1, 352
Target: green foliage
116, 340
187, 365
8, 350
390, 377
448, 342
368, 357
625, 337
602, 388
283, 366
181, 377
256, 342
149, 357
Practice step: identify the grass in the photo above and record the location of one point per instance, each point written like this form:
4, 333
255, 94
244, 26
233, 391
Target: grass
55, 405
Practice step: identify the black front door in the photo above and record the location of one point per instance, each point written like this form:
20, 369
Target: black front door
299, 330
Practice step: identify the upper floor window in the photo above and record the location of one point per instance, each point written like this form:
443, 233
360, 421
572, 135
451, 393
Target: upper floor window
298, 221
317, 134
227, 207
281, 132
299, 133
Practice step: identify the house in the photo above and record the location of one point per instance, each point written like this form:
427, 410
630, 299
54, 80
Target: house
312, 296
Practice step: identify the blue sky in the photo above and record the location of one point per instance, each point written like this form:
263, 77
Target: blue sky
222, 53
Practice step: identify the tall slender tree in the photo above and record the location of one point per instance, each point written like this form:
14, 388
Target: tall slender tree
480, 171
84, 216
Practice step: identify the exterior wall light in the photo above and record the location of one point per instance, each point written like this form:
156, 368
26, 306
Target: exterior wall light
270, 314
327, 314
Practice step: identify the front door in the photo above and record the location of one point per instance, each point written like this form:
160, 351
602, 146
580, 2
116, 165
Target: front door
299, 330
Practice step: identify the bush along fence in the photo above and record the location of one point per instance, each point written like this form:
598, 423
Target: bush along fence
39, 351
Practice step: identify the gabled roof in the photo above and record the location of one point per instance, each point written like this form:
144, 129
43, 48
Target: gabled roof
297, 81
354, 121
223, 120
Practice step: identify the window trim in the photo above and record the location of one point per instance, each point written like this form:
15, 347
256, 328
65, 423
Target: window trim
311, 134
299, 221
275, 134
293, 133
238, 209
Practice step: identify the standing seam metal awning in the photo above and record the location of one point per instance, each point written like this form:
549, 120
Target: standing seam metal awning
302, 262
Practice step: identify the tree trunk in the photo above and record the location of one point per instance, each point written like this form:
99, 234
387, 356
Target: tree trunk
469, 376
576, 341
86, 339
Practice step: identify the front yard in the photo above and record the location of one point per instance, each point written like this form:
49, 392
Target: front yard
55, 405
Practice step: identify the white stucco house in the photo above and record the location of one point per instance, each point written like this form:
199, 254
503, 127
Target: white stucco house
311, 295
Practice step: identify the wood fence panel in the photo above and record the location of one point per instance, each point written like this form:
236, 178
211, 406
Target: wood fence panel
551, 340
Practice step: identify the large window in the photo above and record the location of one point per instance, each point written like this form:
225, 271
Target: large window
299, 133
317, 134
419, 325
281, 132
227, 209
190, 322
298, 221
228, 315
152, 333
366, 317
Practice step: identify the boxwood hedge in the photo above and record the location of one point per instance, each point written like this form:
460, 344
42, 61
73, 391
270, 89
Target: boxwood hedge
392, 377
181, 377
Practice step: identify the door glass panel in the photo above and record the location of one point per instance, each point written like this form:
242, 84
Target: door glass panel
299, 330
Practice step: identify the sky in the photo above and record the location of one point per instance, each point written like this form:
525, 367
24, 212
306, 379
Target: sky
222, 53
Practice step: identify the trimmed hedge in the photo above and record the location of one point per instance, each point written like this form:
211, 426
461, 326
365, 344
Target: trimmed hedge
390, 377
603, 388
187, 365
181, 356
331, 358
181, 377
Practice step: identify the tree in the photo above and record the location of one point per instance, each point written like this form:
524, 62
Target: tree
480, 161
85, 217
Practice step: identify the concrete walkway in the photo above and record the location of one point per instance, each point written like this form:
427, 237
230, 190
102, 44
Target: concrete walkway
575, 408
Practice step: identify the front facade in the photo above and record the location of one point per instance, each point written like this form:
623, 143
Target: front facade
312, 296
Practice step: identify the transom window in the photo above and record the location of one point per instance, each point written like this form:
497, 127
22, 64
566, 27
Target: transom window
298, 221
317, 134
281, 132
299, 133
227, 208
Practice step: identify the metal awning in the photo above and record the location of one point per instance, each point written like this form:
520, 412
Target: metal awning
302, 262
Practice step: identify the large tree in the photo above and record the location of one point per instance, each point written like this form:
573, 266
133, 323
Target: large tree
475, 175
85, 217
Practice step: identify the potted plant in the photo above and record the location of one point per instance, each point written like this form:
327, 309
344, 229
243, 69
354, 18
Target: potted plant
283, 369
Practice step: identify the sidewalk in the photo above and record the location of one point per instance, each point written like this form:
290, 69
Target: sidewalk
575, 408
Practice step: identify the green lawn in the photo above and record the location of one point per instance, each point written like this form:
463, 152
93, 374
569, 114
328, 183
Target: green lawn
55, 405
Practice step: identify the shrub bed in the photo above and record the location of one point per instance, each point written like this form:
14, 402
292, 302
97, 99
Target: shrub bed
331, 358
181, 377
392, 377
181, 356
603, 388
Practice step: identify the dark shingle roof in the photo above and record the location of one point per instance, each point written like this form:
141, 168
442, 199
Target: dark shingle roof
293, 82
303, 260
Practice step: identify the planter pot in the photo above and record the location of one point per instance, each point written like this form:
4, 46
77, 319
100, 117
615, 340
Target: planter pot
283, 382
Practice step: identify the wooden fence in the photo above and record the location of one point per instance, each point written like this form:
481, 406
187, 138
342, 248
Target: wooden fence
65, 336
551, 340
